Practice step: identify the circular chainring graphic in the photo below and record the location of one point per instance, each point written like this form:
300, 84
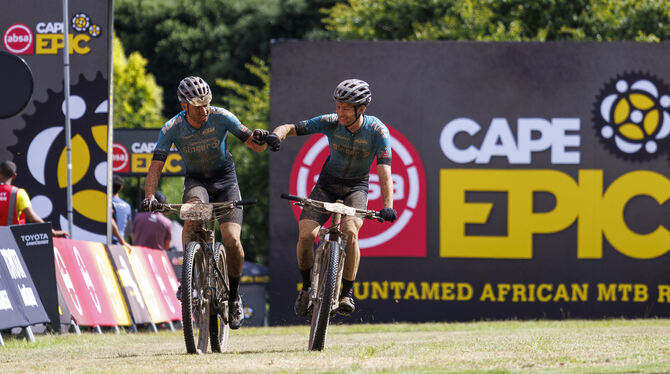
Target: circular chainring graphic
41, 158
631, 116
94, 30
81, 22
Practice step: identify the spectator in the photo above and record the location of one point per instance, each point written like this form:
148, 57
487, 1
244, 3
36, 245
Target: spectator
15, 206
120, 212
153, 229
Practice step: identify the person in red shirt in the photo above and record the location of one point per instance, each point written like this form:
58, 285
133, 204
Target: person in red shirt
153, 229
15, 206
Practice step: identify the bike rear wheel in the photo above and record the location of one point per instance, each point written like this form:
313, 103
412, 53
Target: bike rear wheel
326, 291
194, 305
219, 330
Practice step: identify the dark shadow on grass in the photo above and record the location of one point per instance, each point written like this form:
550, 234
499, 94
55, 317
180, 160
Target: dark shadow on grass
270, 351
247, 352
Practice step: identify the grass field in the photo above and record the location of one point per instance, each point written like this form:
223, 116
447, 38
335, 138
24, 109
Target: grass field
507, 346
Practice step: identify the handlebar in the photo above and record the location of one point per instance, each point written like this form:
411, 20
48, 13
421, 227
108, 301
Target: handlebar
158, 207
305, 201
199, 210
244, 202
291, 197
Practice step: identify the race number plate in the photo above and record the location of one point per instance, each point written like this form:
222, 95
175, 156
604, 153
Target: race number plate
195, 212
339, 208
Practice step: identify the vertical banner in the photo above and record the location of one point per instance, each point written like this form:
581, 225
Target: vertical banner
36, 246
531, 179
35, 138
20, 305
88, 283
129, 284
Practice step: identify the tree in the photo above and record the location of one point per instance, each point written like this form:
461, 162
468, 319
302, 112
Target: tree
137, 98
213, 38
519, 20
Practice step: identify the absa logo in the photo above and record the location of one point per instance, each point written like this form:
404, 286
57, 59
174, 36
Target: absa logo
18, 39
406, 237
120, 159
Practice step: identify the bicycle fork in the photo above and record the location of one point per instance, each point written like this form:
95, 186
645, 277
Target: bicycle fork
323, 253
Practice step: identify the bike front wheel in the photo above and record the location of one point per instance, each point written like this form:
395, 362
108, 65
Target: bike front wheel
325, 293
219, 330
194, 304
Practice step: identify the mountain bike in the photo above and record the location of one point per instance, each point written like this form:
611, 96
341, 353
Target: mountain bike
328, 264
204, 278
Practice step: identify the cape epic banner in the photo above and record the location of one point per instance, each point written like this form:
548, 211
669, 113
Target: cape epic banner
543, 169
35, 138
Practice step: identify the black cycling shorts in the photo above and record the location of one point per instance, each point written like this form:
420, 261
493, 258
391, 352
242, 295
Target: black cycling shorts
353, 193
220, 188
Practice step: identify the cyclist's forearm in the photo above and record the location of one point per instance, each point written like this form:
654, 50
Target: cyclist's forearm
386, 183
285, 131
116, 232
153, 175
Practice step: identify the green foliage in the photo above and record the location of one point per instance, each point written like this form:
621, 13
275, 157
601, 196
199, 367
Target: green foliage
251, 105
213, 38
513, 20
137, 98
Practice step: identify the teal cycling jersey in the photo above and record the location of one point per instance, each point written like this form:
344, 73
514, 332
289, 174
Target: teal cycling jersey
351, 154
204, 150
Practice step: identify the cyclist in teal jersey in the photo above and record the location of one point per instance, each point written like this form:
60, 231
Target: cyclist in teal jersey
356, 140
200, 134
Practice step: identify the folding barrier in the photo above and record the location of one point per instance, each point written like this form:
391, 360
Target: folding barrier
162, 302
20, 304
131, 289
36, 246
89, 286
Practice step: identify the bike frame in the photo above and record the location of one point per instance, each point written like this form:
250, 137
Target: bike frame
211, 302
330, 254
335, 235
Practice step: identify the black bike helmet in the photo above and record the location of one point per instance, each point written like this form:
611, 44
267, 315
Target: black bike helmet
195, 91
353, 91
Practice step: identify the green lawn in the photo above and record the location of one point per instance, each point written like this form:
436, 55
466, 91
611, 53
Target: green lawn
574, 346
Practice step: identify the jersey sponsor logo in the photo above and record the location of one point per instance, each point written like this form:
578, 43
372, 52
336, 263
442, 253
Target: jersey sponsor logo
406, 237
201, 146
18, 39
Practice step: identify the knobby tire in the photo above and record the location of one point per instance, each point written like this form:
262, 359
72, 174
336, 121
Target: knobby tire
327, 283
219, 330
193, 275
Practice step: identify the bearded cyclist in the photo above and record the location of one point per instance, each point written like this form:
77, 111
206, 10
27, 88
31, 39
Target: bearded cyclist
355, 141
200, 133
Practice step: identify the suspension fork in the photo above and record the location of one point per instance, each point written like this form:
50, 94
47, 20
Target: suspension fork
338, 236
333, 235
